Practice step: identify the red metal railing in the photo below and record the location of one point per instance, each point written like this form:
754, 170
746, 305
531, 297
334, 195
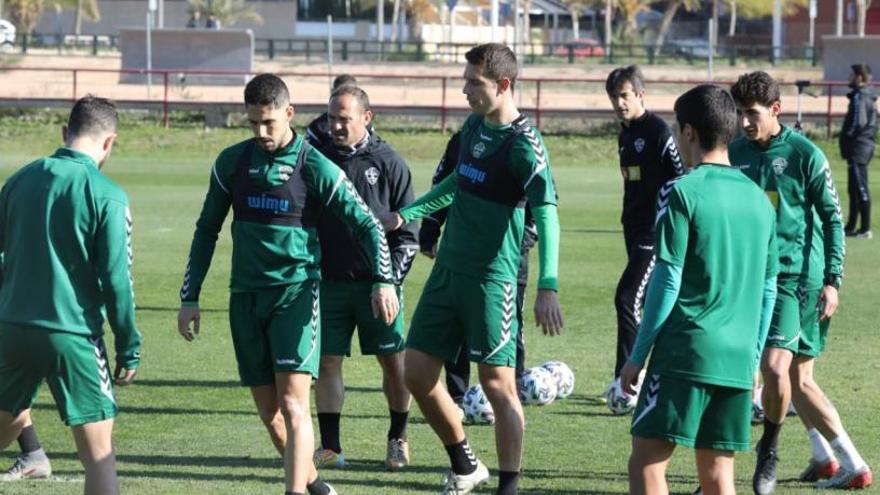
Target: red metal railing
444, 108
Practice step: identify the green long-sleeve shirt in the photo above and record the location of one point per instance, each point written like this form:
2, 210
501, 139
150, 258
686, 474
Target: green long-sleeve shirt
274, 229
797, 178
65, 236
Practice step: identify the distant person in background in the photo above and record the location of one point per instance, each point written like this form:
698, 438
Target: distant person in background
212, 22
193, 21
857, 147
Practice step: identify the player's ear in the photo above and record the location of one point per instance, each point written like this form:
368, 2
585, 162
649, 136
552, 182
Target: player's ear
504, 85
368, 116
776, 108
289, 112
107, 145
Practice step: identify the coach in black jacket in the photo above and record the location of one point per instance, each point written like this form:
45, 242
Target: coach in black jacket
857, 147
381, 177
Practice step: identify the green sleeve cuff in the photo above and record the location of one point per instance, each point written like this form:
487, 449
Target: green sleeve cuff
547, 221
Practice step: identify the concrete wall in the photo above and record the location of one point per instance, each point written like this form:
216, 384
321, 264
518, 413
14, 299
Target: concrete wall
841, 52
278, 18
188, 50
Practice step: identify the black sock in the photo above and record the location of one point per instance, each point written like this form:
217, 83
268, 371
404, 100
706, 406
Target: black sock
866, 216
318, 487
28, 440
507, 482
328, 423
770, 438
398, 425
294, 493
462, 457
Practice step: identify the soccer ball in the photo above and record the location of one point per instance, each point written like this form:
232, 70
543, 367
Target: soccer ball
564, 377
477, 408
537, 387
620, 402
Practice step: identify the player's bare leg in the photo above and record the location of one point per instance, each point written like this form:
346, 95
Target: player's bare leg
399, 398
647, 466
10, 427
811, 403
95, 448
715, 470
422, 375
293, 400
265, 398
777, 385
499, 385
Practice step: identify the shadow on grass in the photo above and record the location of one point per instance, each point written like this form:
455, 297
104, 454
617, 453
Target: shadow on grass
206, 461
175, 309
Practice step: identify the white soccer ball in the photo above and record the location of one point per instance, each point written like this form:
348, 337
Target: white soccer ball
537, 387
564, 377
477, 408
620, 402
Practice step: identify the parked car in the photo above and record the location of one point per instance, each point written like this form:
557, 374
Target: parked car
7, 34
581, 47
688, 47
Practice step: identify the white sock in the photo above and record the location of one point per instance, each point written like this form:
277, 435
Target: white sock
847, 453
822, 450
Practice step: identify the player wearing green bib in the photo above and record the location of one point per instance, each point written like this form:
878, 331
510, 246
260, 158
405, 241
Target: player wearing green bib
65, 246
707, 307
469, 300
277, 187
797, 178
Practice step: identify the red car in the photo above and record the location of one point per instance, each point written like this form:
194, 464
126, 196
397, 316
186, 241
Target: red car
581, 47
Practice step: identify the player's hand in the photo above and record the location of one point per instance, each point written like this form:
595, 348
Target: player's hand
123, 376
391, 221
548, 315
827, 303
629, 377
385, 304
187, 315
431, 253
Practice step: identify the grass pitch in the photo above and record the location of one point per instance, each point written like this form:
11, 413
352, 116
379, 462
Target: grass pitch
186, 425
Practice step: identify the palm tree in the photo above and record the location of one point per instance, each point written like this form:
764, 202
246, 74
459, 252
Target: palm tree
228, 12
418, 11
672, 7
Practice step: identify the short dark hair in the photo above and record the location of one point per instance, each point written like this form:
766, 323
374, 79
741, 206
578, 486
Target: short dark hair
629, 74
344, 80
92, 116
497, 60
357, 93
711, 112
755, 87
266, 90
863, 71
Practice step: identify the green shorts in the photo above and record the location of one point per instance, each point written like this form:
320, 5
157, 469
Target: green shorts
785, 326
74, 366
459, 311
813, 331
693, 414
347, 305
276, 330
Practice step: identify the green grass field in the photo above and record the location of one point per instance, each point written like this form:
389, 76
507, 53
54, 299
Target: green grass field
187, 427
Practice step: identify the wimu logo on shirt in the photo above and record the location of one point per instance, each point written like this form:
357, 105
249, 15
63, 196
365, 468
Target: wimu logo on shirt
472, 173
264, 202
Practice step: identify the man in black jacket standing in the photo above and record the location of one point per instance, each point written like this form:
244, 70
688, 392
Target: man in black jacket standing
649, 158
381, 177
857, 147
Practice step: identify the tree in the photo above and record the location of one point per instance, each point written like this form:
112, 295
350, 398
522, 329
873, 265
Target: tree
753, 9
669, 12
417, 12
629, 9
24, 14
228, 12
87, 9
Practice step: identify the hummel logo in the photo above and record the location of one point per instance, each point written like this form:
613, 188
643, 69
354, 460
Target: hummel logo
283, 362
484, 137
646, 247
386, 346
476, 353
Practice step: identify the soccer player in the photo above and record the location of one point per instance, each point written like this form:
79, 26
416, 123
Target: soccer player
797, 179
469, 298
458, 371
65, 238
382, 178
857, 147
33, 462
705, 316
648, 159
277, 187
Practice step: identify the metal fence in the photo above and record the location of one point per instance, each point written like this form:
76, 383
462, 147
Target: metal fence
673, 51
422, 96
